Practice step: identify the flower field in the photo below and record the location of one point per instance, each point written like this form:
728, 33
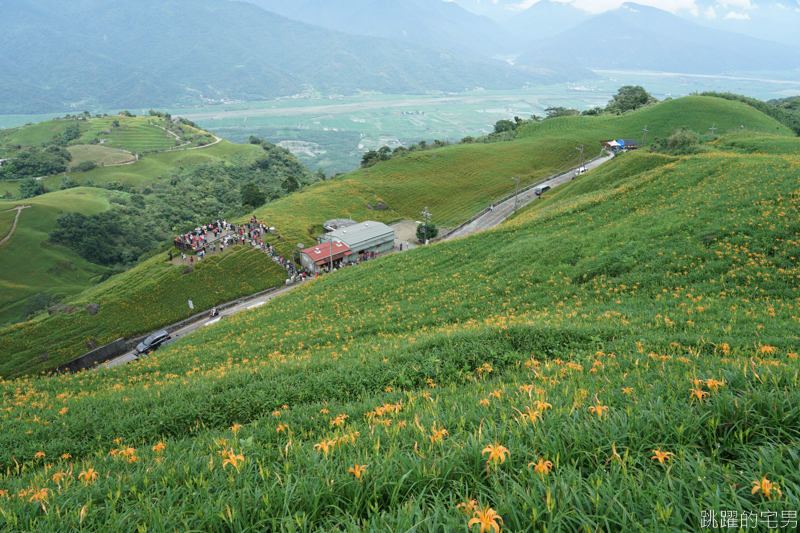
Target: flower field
621, 356
135, 303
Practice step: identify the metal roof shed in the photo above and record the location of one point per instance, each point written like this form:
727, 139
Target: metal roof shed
366, 236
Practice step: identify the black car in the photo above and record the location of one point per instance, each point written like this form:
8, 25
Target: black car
152, 343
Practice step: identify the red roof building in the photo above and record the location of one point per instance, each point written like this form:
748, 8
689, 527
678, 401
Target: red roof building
323, 254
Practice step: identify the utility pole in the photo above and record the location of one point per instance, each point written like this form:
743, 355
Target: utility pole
516, 194
426, 216
644, 137
580, 167
713, 128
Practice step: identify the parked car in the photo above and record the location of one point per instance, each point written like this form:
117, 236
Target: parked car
152, 343
540, 190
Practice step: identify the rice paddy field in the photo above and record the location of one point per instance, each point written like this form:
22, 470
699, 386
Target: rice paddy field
620, 356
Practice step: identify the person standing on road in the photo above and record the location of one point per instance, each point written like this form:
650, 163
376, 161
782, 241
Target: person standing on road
191, 261
183, 257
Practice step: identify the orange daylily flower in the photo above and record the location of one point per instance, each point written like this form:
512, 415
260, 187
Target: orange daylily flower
487, 518
357, 470
766, 487
661, 456
496, 452
542, 467
89, 475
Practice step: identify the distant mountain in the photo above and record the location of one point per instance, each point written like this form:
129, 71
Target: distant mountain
636, 37
165, 53
544, 20
499, 10
433, 23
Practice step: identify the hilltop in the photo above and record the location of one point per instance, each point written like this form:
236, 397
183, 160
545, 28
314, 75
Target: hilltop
629, 338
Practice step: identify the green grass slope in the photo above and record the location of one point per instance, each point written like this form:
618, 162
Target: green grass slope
456, 182
30, 264
133, 303
647, 309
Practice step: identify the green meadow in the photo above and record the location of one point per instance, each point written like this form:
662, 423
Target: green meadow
30, 264
620, 356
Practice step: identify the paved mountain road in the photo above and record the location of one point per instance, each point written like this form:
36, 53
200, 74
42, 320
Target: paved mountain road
505, 209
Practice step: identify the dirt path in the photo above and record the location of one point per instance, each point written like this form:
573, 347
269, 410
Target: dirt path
19, 209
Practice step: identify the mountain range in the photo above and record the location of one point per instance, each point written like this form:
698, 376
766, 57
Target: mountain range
176, 53
636, 37
161, 53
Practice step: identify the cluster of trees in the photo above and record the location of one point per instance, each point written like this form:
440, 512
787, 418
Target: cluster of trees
35, 162
385, 153
143, 217
682, 142
159, 114
109, 238
628, 98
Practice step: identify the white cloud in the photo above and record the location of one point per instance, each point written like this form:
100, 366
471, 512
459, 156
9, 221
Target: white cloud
742, 4
737, 16
710, 13
782, 7
600, 6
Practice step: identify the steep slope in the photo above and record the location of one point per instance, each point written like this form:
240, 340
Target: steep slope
630, 338
639, 37
92, 53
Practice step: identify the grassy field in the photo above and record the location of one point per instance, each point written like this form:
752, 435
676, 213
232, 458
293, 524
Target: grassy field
622, 356
149, 167
100, 155
133, 303
30, 264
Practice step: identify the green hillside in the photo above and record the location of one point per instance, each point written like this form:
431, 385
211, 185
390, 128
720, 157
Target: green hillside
453, 182
30, 264
627, 346
456, 182
134, 303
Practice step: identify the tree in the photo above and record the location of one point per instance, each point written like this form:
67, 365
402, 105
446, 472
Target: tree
85, 166
30, 187
554, 112
428, 231
628, 98
252, 195
503, 126
68, 183
320, 174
